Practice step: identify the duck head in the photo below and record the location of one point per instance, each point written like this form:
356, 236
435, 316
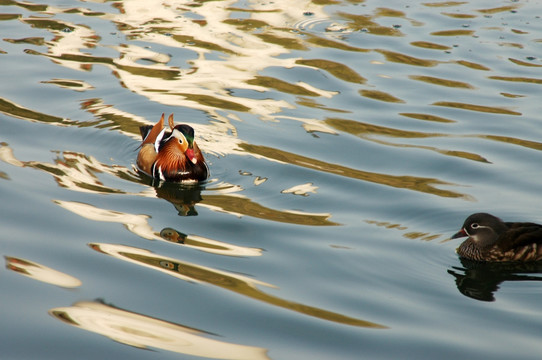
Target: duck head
185, 136
482, 228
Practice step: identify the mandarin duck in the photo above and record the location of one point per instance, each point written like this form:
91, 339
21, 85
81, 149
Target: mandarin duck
171, 155
491, 239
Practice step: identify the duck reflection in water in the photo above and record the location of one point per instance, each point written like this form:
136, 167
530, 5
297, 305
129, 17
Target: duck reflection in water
183, 197
481, 280
173, 236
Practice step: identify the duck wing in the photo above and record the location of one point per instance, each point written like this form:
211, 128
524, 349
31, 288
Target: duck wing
524, 239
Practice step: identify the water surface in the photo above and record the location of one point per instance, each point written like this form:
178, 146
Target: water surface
347, 140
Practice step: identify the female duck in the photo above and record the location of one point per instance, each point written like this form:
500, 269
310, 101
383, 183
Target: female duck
491, 239
171, 155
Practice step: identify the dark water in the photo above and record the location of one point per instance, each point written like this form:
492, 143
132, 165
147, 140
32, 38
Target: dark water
347, 140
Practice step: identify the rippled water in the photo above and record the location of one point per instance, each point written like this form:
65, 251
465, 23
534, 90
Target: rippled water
347, 140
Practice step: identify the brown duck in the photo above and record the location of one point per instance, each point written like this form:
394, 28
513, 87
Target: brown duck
491, 239
171, 155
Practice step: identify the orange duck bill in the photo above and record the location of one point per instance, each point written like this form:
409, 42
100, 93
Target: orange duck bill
171, 155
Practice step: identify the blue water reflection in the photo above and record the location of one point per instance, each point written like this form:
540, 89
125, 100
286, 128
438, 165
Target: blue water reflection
346, 141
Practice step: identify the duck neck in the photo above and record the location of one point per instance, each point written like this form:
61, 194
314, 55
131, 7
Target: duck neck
470, 250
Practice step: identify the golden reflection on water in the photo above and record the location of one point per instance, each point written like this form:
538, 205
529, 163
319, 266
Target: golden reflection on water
426, 185
427, 117
144, 332
332, 44
240, 284
264, 35
244, 206
207, 245
459, 16
41, 273
517, 79
73, 171
12, 109
245, 50
524, 63
479, 108
458, 32
510, 140
76, 85
138, 224
246, 45
396, 57
367, 23
430, 45
381, 96
499, 9
249, 44
445, 3
338, 70
79, 173
310, 102
267, 33
413, 235
368, 131
472, 65
184, 199
442, 82
283, 86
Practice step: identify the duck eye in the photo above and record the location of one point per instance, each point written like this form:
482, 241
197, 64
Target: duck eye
474, 225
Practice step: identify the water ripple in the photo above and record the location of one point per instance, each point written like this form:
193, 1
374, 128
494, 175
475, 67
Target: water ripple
344, 141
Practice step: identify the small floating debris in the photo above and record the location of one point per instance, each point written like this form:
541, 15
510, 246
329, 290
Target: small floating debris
303, 189
336, 28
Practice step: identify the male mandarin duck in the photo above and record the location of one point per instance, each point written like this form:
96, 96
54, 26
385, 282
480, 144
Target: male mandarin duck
172, 155
491, 239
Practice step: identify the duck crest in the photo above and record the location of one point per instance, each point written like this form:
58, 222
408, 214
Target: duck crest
171, 155
149, 151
